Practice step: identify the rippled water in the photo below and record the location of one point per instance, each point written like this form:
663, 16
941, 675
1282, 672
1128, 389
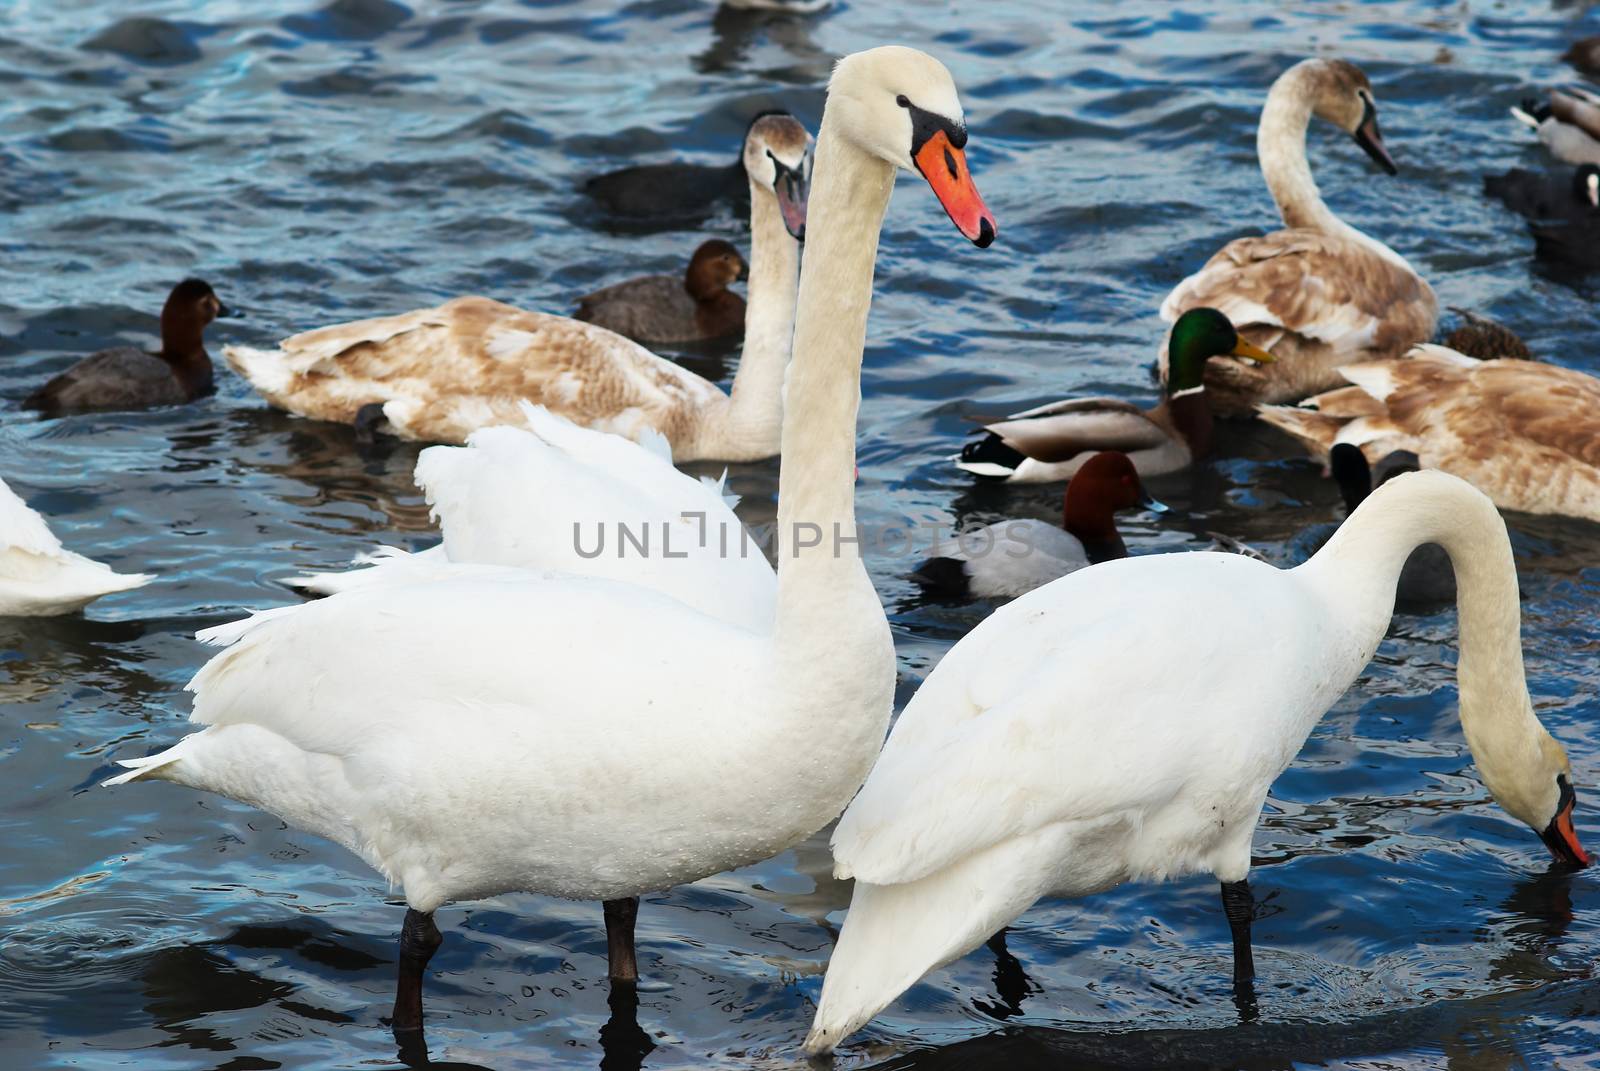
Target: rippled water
370, 157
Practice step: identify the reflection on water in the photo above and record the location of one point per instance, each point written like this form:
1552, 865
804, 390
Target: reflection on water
323, 161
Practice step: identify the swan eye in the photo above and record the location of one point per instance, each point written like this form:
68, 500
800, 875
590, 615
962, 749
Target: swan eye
902, 101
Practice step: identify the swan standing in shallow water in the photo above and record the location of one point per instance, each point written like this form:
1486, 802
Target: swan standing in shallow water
41, 578
440, 374
1319, 293
472, 735
1069, 744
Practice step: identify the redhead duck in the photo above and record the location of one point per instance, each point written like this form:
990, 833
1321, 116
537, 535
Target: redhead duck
663, 309
1053, 441
1013, 557
128, 378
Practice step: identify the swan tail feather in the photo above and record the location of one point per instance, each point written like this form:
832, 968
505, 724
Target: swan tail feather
895, 934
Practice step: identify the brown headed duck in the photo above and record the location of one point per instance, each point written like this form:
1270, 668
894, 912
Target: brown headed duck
663, 309
128, 378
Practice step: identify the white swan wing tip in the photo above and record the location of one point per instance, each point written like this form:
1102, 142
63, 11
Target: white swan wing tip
139, 769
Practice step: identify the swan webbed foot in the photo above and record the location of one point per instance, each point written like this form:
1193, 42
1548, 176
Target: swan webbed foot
620, 918
623, 1041
419, 940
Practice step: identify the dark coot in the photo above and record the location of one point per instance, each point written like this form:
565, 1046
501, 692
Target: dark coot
1427, 579
1565, 193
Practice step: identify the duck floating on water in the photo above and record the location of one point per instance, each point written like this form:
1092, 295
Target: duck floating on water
437, 375
1126, 722
129, 378
1318, 293
1053, 441
714, 747
656, 310
1013, 557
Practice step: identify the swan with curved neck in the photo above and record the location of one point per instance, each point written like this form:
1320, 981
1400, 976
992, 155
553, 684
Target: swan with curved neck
473, 735
1319, 293
1092, 733
439, 374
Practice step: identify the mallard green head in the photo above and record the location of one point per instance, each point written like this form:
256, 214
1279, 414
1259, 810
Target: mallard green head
1198, 336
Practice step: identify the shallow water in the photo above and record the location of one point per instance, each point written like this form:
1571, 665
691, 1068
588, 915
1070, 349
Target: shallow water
370, 157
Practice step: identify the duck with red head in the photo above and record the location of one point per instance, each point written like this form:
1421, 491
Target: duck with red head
1010, 558
128, 378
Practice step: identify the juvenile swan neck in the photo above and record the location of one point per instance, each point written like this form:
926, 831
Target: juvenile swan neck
754, 424
816, 485
1281, 150
1364, 558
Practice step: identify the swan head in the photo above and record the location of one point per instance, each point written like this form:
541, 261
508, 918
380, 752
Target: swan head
900, 105
777, 157
1199, 335
715, 264
1342, 94
1586, 184
1536, 788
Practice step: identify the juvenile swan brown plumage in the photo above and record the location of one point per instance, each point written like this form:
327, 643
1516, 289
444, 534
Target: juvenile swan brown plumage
440, 374
1319, 293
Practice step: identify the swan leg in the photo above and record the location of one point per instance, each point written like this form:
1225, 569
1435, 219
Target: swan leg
1011, 983
620, 917
1239, 905
419, 940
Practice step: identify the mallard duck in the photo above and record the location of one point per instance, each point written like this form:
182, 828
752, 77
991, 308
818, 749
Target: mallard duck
664, 309
128, 378
41, 578
501, 729
1126, 722
1013, 557
1319, 293
1053, 441
1525, 434
439, 374
1568, 123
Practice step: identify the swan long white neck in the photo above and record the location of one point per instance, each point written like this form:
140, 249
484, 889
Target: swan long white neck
825, 586
753, 423
1281, 149
1359, 568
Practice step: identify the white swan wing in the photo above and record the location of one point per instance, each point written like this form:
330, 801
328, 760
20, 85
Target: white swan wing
562, 497
40, 577
1064, 706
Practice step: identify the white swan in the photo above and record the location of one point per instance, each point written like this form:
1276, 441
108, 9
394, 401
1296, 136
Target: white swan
1090, 733
497, 730
439, 374
41, 578
557, 496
